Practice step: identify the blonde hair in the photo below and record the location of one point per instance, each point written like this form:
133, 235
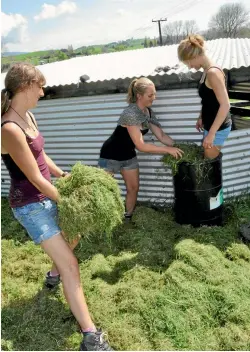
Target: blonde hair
191, 47
138, 86
19, 77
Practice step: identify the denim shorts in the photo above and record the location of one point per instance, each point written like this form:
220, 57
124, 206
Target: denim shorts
220, 136
40, 219
116, 166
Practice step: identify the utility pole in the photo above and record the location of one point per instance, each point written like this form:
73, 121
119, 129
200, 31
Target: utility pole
159, 25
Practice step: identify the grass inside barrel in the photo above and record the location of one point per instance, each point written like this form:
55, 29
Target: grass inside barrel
193, 154
90, 202
198, 188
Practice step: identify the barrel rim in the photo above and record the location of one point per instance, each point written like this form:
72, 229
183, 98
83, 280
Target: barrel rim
204, 162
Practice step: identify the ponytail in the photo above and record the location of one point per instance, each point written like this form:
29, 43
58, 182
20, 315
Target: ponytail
131, 98
5, 101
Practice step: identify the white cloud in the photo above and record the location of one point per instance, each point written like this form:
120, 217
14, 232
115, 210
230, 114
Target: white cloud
100, 24
52, 11
121, 1
121, 12
14, 28
100, 21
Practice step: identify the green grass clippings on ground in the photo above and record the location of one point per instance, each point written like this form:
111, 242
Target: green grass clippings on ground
157, 286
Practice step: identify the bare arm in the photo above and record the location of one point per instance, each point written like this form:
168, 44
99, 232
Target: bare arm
217, 82
53, 168
136, 136
160, 135
14, 142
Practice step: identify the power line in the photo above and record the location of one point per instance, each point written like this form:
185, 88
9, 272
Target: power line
173, 11
159, 26
179, 7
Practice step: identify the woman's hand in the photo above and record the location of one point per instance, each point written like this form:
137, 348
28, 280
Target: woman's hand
175, 152
199, 125
66, 174
208, 141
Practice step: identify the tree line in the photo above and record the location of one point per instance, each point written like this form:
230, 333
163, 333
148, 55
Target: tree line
231, 21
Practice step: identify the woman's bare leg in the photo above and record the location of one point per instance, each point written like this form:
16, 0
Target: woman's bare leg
131, 179
61, 254
72, 244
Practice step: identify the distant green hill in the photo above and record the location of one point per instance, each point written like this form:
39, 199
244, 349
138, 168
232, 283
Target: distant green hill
12, 53
48, 56
128, 44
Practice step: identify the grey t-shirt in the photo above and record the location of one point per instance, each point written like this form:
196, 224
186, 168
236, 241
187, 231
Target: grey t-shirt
133, 116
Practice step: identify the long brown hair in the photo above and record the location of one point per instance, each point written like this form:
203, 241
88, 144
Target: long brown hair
19, 77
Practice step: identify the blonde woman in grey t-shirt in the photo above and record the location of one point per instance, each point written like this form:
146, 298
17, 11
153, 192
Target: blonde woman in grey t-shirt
118, 151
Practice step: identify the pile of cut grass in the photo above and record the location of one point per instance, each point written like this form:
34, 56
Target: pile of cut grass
90, 202
157, 286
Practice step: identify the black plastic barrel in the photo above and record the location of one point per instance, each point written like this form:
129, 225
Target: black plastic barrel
199, 193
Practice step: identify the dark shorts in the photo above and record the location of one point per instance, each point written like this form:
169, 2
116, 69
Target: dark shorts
115, 166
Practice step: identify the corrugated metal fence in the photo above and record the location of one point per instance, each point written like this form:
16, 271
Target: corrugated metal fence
75, 128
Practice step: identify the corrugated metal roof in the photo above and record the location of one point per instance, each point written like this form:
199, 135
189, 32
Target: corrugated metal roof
227, 53
75, 129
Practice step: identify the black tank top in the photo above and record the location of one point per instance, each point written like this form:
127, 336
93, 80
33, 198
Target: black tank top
119, 146
210, 106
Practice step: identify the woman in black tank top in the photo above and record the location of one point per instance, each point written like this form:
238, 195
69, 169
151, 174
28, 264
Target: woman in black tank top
118, 151
214, 118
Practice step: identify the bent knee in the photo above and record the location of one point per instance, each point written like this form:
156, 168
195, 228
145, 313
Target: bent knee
70, 266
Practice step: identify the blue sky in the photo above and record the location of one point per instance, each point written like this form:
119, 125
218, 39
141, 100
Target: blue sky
30, 25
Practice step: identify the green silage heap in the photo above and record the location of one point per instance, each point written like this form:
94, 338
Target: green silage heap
90, 202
